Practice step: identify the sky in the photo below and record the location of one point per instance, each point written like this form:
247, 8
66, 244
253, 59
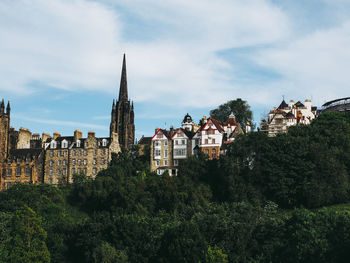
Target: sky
60, 60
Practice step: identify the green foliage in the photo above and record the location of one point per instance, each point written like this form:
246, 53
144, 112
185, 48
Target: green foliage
27, 242
215, 255
246, 206
238, 107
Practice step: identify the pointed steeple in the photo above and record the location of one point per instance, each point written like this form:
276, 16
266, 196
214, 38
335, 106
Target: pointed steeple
123, 91
8, 108
2, 107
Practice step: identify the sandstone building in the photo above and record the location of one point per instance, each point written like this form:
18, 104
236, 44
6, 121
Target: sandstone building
31, 158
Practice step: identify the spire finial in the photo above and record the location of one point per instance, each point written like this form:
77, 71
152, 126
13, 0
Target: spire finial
123, 91
8, 108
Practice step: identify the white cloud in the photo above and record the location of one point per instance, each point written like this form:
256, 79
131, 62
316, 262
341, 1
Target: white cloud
63, 44
77, 45
313, 66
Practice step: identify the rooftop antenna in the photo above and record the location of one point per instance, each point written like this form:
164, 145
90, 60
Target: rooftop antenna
283, 97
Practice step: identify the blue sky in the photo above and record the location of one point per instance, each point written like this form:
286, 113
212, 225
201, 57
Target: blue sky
60, 60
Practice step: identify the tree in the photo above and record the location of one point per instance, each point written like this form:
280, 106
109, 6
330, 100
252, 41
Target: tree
215, 255
27, 243
238, 107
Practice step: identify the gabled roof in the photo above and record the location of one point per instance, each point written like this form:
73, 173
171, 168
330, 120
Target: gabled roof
165, 132
283, 105
299, 104
290, 115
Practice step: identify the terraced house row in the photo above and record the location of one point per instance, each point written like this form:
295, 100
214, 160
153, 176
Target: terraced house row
211, 137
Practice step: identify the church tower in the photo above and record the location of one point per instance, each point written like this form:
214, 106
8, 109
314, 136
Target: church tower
122, 115
4, 130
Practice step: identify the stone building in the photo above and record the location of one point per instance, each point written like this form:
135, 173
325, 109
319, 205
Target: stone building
31, 158
122, 115
284, 116
69, 155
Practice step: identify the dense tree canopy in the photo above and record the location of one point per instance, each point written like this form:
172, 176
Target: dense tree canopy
262, 202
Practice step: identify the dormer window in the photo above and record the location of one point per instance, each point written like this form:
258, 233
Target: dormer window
78, 143
104, 142
64, 144
53, 144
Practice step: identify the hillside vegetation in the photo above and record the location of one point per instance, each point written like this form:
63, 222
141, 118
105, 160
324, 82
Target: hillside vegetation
276, 199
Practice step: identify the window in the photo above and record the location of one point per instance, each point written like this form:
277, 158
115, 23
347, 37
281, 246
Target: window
176, 162
79, 152
51, 153
95, 152
157, 163
51, 163
79, 161
206, 141
58, 153
85, 152
213, 141
160, 135
157, 143
64, 144
78, 143
50, 172
213, 153
53, 144
165, 162
73, 170
64, 162
79, 171
180, 152
85, 162
50, 181
9, 172
183, 141
165, 153
197, 141
58, 162
104, 142
74, 152
94, 171
166, 143
18, 171
58, 171
103, 152
65, 153
103, 161
176, 142
73, 162
84, 170
94, 161
157, 153
206, 151
64, 171
28, 171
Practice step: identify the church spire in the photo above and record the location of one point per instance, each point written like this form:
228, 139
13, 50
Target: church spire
123, 91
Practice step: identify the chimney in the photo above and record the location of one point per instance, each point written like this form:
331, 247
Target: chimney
56, 135
156, 130
308, 104
91, 134
77, 135
45, 136
205, 119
